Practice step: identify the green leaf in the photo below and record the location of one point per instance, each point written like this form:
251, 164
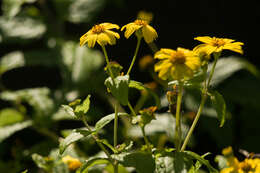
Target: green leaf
201, 160
107, 119
7, 131
73, 137
69, 110
42, 162
165, 163
20, 29
219, 104
10, 116
181, 163
119, 88
141, 161
11, 60
25, 171
227, 66
140, 86
92, 162
38, 98
105, 142
83, 108
12, 7
222, 161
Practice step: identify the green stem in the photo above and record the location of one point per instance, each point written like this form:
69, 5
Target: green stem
203, 100
131, 109
115, 167
136, 51
97, 140
115, 125
145, 137
107, 61
178, 118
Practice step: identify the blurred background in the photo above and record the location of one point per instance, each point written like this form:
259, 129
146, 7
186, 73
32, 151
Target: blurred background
43, 67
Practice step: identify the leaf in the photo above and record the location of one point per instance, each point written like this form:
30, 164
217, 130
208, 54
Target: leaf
73, 137
11, 60
105, 142
227, 66
7, 131
222, 161
105, 120
219, 104
25, 171
21, 28
83, 108
140, 86
68, 110
201, 160
38, 98
12, 7
141, 161
9, 116
181, 164
165, 163
119, 88
92, 162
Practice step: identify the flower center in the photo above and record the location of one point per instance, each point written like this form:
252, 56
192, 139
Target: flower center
217, 42
178, 57
140, 22
246, 167
97, 29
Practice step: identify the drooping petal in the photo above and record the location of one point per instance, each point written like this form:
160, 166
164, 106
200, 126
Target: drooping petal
103, 39
131, 28
110, 26
236, 47
193, 62
91, 39
149, 33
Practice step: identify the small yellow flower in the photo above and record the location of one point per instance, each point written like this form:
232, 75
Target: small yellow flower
143, 15
178, 65
101, 34
142, 29
146, 61
72, 163
217, 45
227, 151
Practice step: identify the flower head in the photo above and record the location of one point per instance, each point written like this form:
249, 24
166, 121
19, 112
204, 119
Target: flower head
217, 45
176, 64
72, 163
101, 34
142, 29
143, 15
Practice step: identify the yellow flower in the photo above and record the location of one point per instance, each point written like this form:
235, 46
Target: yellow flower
72, 163
217, 45
179, 64
101, 34
227, 151
142, 29
143, 15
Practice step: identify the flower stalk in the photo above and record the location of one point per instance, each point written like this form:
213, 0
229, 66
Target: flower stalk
178, 131
135, 55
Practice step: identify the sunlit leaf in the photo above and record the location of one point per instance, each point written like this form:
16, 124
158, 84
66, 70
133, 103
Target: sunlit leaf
83, 108
7, 131
222, 161
11, 60
106, 120
10, 116
119, 88
219, 104
227, 66
21, 28
92, 162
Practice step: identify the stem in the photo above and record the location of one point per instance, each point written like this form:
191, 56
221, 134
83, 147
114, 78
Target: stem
131, 109
203, 100
115, 125
136, 51
145, 137
178, 118
107, 61
96, 139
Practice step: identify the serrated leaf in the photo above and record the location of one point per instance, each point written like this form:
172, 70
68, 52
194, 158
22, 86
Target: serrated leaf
140, 86
201, 160
219, 104
83, 108
7, 131
227, 66
119, 88
21, 28
141, 161
107, 119
9, 116
73, 137
11, 60
91, 162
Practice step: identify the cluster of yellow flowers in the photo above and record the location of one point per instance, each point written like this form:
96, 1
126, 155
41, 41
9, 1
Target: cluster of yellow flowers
177, 64
248, 165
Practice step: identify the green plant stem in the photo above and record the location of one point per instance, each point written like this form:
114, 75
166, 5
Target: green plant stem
97, 140
203, 100
115, 125
178, 118
107, 61
145, 137
135, 55
131, 109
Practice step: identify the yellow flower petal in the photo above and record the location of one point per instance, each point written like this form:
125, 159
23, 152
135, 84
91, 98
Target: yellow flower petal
204, 39
91, 39
110, 26
149, 33
103, 39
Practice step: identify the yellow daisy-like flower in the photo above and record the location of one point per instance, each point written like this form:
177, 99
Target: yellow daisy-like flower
143, 15
72, 163
217, 45
101, 34
178, 65
142, 29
